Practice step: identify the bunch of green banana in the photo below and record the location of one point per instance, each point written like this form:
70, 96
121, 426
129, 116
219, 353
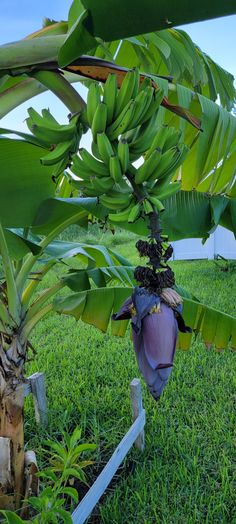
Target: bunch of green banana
94, 174
123, 109
163, 157
46, 128
125, 126
61, 140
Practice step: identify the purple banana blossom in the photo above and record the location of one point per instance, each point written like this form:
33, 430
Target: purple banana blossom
154, 330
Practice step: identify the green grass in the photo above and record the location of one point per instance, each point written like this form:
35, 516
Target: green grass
186, 474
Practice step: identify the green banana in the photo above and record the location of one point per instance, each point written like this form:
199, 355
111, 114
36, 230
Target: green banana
93, 100
146, 82
131, 135
168, 168
115, 168
147, 207
172, 139
134, 213
109, 96
80, 169
60, 167
48, 116
95, 150
93, 164
126, 92
115, 200
99, 120
122, 186
85, 189
37, 118
104, 148
157, 203
149, 166
51, 135
159, 139
103, 184
139, 109
161, 185
145, 100
59, 153
122, 122
168, 192
144, 138
123, 154
167, 161
121, 216
154, 105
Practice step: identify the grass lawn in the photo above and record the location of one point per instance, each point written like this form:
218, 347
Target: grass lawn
187, 473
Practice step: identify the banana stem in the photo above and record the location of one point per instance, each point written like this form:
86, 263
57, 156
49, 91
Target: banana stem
37, 317
14, 305
32, 259
57, 83
31, 287
139, 192
155, 226
40, 301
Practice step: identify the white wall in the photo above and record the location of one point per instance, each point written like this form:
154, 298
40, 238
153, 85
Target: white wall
221, 242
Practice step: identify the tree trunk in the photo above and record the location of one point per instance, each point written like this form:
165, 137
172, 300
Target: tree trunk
11, 423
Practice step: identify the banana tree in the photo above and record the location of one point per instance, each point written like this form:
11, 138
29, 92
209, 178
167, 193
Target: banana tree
31, 224
31, 218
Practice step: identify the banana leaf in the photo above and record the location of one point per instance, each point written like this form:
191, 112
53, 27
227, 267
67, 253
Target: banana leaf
24, 182
171, 52
18, 245
94, 255
96, 306
138, 17
81, 279
54, 212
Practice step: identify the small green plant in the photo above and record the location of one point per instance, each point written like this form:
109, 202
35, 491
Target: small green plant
65, 467
223, 264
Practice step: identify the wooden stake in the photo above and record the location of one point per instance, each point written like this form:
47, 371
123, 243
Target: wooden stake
137, 408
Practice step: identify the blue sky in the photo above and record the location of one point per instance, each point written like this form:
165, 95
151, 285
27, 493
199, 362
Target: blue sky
21, 17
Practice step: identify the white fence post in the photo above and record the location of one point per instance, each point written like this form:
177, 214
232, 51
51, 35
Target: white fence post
38, 388
36, 385
137, 407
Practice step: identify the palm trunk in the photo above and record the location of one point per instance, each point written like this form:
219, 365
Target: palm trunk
11, 422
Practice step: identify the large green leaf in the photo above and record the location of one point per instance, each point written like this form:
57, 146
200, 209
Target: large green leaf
95, 306
96, 256
78, 37
172, 52
55, 212
79, 280
18, 245
135, 17
24, 182
209, 165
